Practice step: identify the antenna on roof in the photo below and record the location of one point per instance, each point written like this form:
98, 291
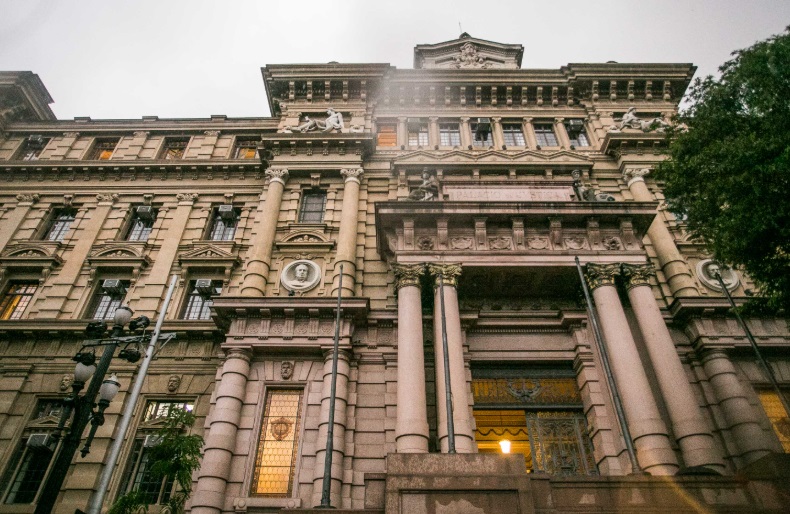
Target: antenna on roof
459, 28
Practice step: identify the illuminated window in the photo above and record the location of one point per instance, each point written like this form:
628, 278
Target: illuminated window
245, 148
387, 134
780, 420
313, 207
278, 444
544, 134
449, 134
174, 149
60, 224
16, 299
513, 135
540, 418
103, 149
198, 303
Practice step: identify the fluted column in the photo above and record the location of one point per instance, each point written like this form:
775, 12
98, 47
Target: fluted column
339, 434
739, 415
260, 253
411, 426
689, 427
654, 451
464, 435
347, 236
674, 267
209, 497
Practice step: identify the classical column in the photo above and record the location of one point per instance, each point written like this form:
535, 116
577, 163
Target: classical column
347, 236
654, 451
260, 253
466, 134
411, 427
339, 433
209, 497
689, 427
497, 137
403, 131
464, 435
433, 131
674, 267
739, 415
529, 133
562, 134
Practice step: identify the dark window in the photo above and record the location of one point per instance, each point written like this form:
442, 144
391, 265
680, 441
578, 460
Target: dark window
16, 299
60, 225
245, 148
313, 206
387, 134
142, 223
481, 134
32, 148
107, 299
576, 133
223, 225
418, 134
198, 301
513, 134
449, 134
544, 134
103, 149
174, 149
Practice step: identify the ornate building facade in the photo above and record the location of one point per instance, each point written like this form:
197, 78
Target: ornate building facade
448, 203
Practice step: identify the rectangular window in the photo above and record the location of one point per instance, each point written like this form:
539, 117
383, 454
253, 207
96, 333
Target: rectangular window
513, 134
174, 149
137, 476
780, 420
60, 224
198, 302
245, 148
103, 149
108, 297
278, 444
313, 207
481, 134
387, 134
16, 299
32, 148
576, 133
142, 223
418, 134
544, 134
223, 224
449, 134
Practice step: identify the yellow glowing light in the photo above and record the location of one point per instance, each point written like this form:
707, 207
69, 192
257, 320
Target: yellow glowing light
505, 445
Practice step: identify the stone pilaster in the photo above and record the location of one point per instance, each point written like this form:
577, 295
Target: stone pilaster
529, 133
464, 434
347, 236
466, 134
497, 137
10, 223
648, 430
411, 427
260, 253
562, 134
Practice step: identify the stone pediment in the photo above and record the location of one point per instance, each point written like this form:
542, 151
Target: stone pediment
209, 254
29, 251
492, 156
468, 52
305, 241
30, 256
118, 255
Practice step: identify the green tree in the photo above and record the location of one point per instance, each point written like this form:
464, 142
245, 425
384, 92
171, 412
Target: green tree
175, 457
730, 171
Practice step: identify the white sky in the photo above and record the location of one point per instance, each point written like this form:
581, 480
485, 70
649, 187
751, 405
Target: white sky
195, 58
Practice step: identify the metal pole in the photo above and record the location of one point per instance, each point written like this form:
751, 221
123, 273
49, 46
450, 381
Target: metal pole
82, 413
326, 502
94, 507
760, 358
618, 403
448, 390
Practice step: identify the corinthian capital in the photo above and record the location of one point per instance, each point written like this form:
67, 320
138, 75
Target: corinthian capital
277, 175
632, 175
448, 272
598, 275
637, 274
352, 174
407, 274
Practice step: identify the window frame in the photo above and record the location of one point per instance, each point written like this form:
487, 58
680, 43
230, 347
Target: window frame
53, 229
6, 299
514, 131
450, 134
419, 138
242, 143
131, 225
113, 301
174, 143
27, 152
542, 132
573, 136
100, 146
391, 134
204, 309
481, 143
227, 232
303, 204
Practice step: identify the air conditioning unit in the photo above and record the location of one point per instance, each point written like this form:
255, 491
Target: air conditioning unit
482, 129
145, 212
204, 287
114, 287
35, 140
151, 440
575, 126
39, 441
227, 212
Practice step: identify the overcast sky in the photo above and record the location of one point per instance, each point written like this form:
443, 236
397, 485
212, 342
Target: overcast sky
194, 58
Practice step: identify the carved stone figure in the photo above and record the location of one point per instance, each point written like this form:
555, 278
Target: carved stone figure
300, 276
706, 271
427, 190
66, 381
173, 383
469, 58
286, 370
632, 121
537, 243
334, 121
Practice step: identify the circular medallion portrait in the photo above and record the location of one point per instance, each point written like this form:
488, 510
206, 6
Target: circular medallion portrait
300, 276
706, 271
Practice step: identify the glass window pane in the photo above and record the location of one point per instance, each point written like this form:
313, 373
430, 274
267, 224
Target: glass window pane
780, 421
513, 135
278, 444
544, 134
16, 299
387, 135
313, 207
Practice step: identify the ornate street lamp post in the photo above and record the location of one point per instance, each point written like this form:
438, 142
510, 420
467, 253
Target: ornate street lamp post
84, 408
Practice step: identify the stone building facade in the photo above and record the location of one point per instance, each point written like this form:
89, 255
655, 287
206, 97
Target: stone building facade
445, 202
